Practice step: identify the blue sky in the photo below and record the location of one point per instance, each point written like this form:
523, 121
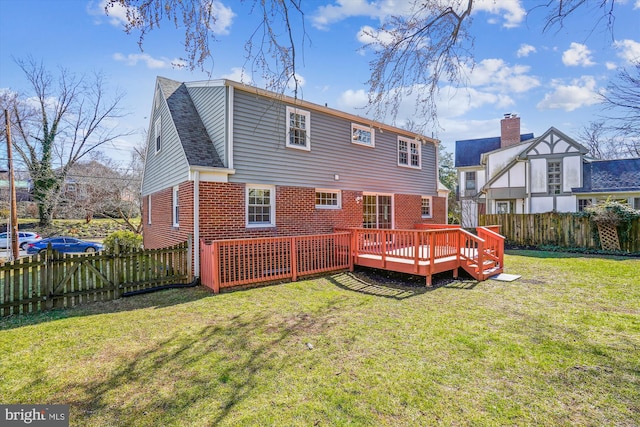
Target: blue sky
548, 79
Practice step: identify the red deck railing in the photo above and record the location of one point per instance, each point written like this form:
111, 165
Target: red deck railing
238, 262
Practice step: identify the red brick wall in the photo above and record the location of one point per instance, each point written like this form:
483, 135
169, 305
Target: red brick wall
161, 232
223, 213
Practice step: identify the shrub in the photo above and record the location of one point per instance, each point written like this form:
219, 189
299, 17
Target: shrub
125, 239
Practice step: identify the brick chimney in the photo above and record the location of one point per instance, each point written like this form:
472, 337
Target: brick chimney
509, 130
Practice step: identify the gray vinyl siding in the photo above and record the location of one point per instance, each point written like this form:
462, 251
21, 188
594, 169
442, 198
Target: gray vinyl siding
168, 167
260, 155
211, 105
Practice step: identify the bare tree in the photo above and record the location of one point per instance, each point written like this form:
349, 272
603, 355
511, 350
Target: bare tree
621, 103
600, 143
415, 53
56, 126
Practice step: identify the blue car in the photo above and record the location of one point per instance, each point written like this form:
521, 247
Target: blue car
63, 244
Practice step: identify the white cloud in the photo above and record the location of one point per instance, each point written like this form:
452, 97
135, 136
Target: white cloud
579, 93
324, 16
369, 35
353, 99
577, 54
629, 50
511, 9
154, 63
495, 75
525, 50
637, 5
224, 18
237, 74
117, 12
610, 65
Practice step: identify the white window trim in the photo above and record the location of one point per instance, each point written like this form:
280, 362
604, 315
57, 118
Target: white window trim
175, 207
326, 190
369, 129
300, 112
272, 203
149, 209
157, 134
409, 143
430, 198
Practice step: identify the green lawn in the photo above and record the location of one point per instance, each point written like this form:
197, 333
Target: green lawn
560, 346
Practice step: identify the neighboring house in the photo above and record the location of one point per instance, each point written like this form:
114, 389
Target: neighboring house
615, 179
23, 190
517, 173
226, 160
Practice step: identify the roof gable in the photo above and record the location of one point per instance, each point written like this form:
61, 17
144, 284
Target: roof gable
469, 151
192, 133
553, 142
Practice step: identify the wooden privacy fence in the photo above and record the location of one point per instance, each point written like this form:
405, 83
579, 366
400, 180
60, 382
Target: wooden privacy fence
559, 229
238, 262
55, 280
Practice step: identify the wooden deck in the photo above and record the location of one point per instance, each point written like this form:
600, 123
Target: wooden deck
424, 252
431, 251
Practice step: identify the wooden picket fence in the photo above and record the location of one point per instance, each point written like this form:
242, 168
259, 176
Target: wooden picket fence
557, 229
56, 280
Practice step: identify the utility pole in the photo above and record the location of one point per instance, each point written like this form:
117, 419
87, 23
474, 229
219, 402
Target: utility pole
13, 216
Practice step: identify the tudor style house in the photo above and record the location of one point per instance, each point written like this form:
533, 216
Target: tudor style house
226, 160
518, 173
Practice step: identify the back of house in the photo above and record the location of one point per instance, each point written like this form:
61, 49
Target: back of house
226, 160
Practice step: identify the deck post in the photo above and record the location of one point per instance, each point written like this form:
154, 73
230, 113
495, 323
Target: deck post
383, 236
294, 259
416, 250
215, 265
351, 249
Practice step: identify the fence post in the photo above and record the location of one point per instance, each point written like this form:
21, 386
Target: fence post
116, 270
190, 257
48, 263
293, 259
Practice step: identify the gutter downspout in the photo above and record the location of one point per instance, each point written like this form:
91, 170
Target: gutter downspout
196, 223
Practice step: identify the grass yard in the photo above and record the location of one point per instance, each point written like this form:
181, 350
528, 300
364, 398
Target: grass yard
560, 346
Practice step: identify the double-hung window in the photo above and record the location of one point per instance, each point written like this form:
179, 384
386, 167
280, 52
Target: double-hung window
363, 135
470, 180
176, 207
426, 207
328, 199
554, 177
298, 126
583, 204
409, 153
261, 205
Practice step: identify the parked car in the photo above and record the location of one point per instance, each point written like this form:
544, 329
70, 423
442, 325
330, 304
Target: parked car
24, 238
63, 244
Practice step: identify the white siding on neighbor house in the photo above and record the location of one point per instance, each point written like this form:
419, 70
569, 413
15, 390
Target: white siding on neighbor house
502, 182
541, 204
538, 175
571, 173
211, 104
260, 154
168, 167
521, 206
498, 160
517, 175
566, 203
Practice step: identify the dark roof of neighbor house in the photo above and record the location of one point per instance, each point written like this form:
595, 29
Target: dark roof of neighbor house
469, 151
602, 176
196, 143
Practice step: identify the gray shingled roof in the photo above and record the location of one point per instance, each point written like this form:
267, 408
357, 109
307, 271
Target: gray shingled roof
604, 176
192, 133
